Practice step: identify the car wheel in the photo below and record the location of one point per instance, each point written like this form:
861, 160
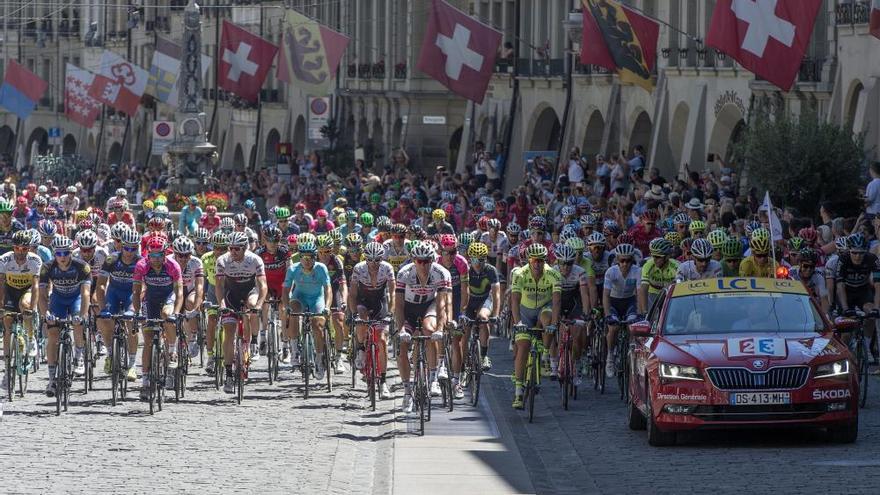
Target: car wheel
637, 420
656, 436
844, 433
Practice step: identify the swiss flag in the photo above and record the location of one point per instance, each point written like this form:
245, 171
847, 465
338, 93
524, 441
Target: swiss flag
245, 60
768, 37
119, 83
458, 51
875, 18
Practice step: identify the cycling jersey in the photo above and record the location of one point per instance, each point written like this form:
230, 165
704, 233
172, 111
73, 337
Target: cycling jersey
395, 256
855, 276
417, 292
209, 266
97, 261
20, 275
480, 282
815, 285
6, 236
157, 282
571, 289
239, 276
210, 223
189, 219
372, 294
321, 227
119, 285
191, 272
66, 283
44, 253
275, 266
336, 273
303, 223
600, 266
348, 264
749, 268
497, 248
622, 287
308, 287
688, 271
535, 294
657, 278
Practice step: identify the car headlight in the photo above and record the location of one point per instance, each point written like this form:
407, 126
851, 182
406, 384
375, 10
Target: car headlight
679, 372
829, 370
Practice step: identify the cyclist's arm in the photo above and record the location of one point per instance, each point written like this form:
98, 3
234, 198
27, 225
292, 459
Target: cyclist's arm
592, 291
101, 290
586, 302
399, 302
465, 298
328, 295
220, 290
35, 290
643, 296
262, 290
515, 298
84, 295
352, 297
3, 289
496, 299
199, 282
832, 288
841, 295
606, 300
178, 297
343, 292
392, 296
557, 307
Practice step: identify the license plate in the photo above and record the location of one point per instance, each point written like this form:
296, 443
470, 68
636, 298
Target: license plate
760, 398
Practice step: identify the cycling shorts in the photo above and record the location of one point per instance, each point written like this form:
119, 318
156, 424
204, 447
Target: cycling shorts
236, 300
413, 313
210, 293
13, 298
476, 304
857, 297
530, 317
275, 290
308, 304
572, 312
117, 302
375, 308
154, 305
622, 308
64, 307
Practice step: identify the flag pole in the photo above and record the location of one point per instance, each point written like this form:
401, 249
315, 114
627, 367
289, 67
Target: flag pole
259, 111
216, 73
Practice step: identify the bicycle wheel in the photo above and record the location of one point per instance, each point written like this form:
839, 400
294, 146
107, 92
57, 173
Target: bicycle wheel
371, 367
238, 372
352, 353
60, 374
114, 371
475, 373
218, 357
427, 383
329, 360
306, 364
565, 380
179, 371
154, 377
862, 355
421, 398
67, 384
10, 370
529, 392
86, 357
200, 338
447, 384
272, 351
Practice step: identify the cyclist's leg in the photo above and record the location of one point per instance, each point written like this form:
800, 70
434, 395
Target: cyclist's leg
293, 327
105, 325
10, 304
251, 320
166, 312
529, 318
211, 297
411, 314
230, 326
549, 339
192, 324
25, 304
338, 316
485, 313
360, 333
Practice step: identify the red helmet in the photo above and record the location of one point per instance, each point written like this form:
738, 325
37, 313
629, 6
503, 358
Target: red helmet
808, 234
449, 209
99, 212
448, 241
625, 238
322, 213
291, 240
21, 200
156, 244
650, 215
300, 207
211, 209
31, 186
86, 225
483, 223
157, 222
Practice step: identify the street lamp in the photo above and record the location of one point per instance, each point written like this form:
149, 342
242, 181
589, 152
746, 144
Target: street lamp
574, 27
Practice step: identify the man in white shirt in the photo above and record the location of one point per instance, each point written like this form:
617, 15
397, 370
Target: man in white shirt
575, 171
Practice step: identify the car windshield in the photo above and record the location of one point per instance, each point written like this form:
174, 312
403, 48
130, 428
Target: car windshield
741, 312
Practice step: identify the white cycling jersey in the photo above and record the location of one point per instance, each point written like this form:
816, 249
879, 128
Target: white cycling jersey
20, 275
97, 261
193, 270
240, 274
417, 292
688, 271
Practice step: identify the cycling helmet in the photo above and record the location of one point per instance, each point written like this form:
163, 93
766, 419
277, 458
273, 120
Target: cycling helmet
307, 237
35, 237
625, 249
87, 239
567, 233
383, 223
857, 243
840, 244
182, 245
493, 224
809, 255
478, 250
354, 240
809, 235
424, 210
751, 227
567, 211
282, 213
156, 244
611, 228
103, 231
408, 246
438, 215
681, 219
660, 247
322, 213
760, 242
367, 219
541, 210
417, 232
291, 241
448, 241
465, 239
48, 228
5, 206
537, 223
240, 219
350, 214
686, 244
159, 222
130, 238
336, 235
161, 210
272, 234
673, 237
211, 209
117, 229
87, 225
398, 229
717, 238
513, 229
220, 239
626, 238
761, 233
21, 238
40, 201
536, 250
21, 201
701, 248
239, 239
173, 234
697, 226
596, 239
796, 244
731, 249
576, 243
564, 253
374, 251
422, 251
249, 204
227, 223
202, 235
62, 242
524, 235
324, 241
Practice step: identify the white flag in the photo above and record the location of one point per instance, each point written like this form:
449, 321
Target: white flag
775, 224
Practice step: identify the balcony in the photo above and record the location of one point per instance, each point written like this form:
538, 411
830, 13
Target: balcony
551, 67
811, 70
400, 71
590, 70
365, 71
853, 12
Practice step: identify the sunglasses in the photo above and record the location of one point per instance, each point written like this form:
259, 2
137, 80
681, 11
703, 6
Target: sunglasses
130, 249
374, 260
450, 252
21, 248
702, 260
202, 243
761, 256
808, 267
86, 250
624, 260
307, 257
659, 257
568, 263
476, 261
236, 248
536, 260
157, 255
423, 262
182, 255
732, 261
62, 254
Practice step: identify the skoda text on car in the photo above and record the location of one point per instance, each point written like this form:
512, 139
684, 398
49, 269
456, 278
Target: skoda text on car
740, 352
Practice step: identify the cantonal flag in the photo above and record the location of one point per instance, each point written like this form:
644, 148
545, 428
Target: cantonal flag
78, 105
119, 83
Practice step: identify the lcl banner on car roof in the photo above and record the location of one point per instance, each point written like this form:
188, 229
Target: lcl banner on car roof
735, 285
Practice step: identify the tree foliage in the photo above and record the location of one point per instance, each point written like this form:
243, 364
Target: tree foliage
803, 160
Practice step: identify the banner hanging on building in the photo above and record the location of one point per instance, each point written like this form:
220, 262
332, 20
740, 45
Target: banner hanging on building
119, 83
245, 60
21, 90
78, 105
310, 53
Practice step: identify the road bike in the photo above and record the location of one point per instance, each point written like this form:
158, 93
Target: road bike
64, 369
273, 341
183, 358
118, 356
307, 352
17, 362
158, 362
422, 386
598, 353
858, 345
621, 355
219, 375
472, 363
372, 370
201, 333
240, 362
532, 382
90, 356
567, 371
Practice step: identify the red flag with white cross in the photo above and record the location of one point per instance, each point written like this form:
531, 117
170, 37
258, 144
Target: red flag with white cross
458, 51
245, 60
768, 37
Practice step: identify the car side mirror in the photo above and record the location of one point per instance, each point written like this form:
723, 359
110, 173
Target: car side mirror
842, 324
640, 329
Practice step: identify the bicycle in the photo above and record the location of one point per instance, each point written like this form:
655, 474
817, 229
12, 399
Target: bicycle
219, 375
64, 371
329, 355
567, 371
372, 370
861, 349
532, 383
598, 353
421, 390
42, 341
17, 361
307, 353
352, 348
446, 391
621, 355
472, 365
119, 356
273, 341
158, 362
240, 365
90, 356
201, 332
182, 368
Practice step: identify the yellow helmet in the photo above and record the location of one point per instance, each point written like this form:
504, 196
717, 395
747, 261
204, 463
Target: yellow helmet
438, 215
478, 250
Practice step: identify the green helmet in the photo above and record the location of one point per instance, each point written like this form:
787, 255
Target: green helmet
375, 198
660, 247
350, 214
731, 249
697, 226
306, 237
717, 238
760, 241
367, 219
5, 205
354, 240
325, 241
796, 245
465, 239
576, 243
282, 213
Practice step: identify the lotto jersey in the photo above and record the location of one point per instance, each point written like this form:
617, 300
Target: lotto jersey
20, 275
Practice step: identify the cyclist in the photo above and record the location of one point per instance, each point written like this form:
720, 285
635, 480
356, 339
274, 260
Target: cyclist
858, 280
351, 226
114, 293
321, 224
209, 265
731, 253
657, 273
536, 301
275, 259
457, 266
717, 238
372, 295
210, 220
421, 301
282, 217
202, 240
813, 281
701, 265
240, 284
758, 264
156, 282
193, 278
8, 226
89, 251
336, 272
21, 272
619, 297
484, 301
439, 224
367, 232
600, 257
254, 219
301, 218
307, 289
497, 242
697, 229
575, 303
395, 253
68, 280
353, 253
